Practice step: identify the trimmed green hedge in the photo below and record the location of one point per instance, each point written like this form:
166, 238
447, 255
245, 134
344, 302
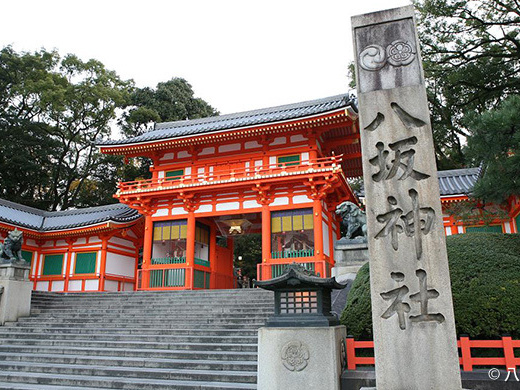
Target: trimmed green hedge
485, 278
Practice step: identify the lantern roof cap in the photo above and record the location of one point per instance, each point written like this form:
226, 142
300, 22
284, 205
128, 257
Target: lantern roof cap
298, 277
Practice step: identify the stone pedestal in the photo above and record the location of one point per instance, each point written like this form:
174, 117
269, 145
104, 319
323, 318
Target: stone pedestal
15, 301
301, 358
349, 256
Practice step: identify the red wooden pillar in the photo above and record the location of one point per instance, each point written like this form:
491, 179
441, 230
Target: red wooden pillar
147, 251
190, 250
317, 210
266, 241
213, 256
103, 262
70, 242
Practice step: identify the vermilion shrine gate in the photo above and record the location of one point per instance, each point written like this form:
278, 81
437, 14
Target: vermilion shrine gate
278, 171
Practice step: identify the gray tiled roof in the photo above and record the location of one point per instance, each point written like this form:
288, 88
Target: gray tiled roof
176, 129
452, 182
43, 221
457, 181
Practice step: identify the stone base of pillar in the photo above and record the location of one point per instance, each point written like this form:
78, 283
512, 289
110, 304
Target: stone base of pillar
15, 301
301, 358
349, 257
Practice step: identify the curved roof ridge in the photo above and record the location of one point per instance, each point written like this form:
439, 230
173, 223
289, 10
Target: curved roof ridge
192, 127
43, 221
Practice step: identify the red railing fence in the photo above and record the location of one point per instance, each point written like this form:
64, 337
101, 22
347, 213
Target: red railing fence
507, 345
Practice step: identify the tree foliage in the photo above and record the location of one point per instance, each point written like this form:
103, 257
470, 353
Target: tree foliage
52, 111
55, 108
485, 279
249, 246
172, 100
495, 141
471, 53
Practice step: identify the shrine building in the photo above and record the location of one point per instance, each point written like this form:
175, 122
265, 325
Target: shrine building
279, 172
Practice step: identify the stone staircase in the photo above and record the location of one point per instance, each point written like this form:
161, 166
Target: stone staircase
136, 340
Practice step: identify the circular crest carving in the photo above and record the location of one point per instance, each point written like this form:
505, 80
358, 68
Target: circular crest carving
373, 57
295, 356
400, 53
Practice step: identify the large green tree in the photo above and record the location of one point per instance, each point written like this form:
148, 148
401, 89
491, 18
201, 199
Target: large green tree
52, 110
495, 142
471, 53
172, 100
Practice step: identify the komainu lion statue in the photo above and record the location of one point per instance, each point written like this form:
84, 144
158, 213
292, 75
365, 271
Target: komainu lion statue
354, 220
11, 249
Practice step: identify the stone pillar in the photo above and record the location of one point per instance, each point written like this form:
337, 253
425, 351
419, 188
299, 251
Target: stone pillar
300, 358
412, 309
15, 301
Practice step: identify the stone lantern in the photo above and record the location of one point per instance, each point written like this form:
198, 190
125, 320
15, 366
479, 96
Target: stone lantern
302, 345
302, 299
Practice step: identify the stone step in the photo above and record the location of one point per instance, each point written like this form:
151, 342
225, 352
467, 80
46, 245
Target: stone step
168, 338
129, 372
38, 386
144, 321
106, 382
134, 344
114, 361
135, 331
168, 325
131, 352
122, 314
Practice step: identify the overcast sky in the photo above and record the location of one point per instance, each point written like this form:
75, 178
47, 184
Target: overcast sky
237, 55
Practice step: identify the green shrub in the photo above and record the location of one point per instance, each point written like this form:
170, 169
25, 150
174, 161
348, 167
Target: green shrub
485, 278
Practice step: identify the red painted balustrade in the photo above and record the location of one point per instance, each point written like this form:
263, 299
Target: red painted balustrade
506, 345
234, 175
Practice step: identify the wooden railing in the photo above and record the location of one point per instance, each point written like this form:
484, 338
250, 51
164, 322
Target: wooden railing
505, 346
325, 164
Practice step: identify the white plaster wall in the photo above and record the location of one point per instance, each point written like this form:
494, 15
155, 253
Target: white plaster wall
460, 229
228, 148
92, 284
507, 227
326, 242
58, 285
128, 287
272, 160
160, 213
94, 239
131, 234
120, 265
279, 141
167, 156
259, 163
187, 171
305, 156
448, 230
204, 208
160, 174
111, 285
206, 151
75, 285
298, 138
227, 206
283, 200
121, 241
297, 199
42, 286
249, 204
72, 262
98, 262
82, 240
178, 211
183, 154
252, 145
